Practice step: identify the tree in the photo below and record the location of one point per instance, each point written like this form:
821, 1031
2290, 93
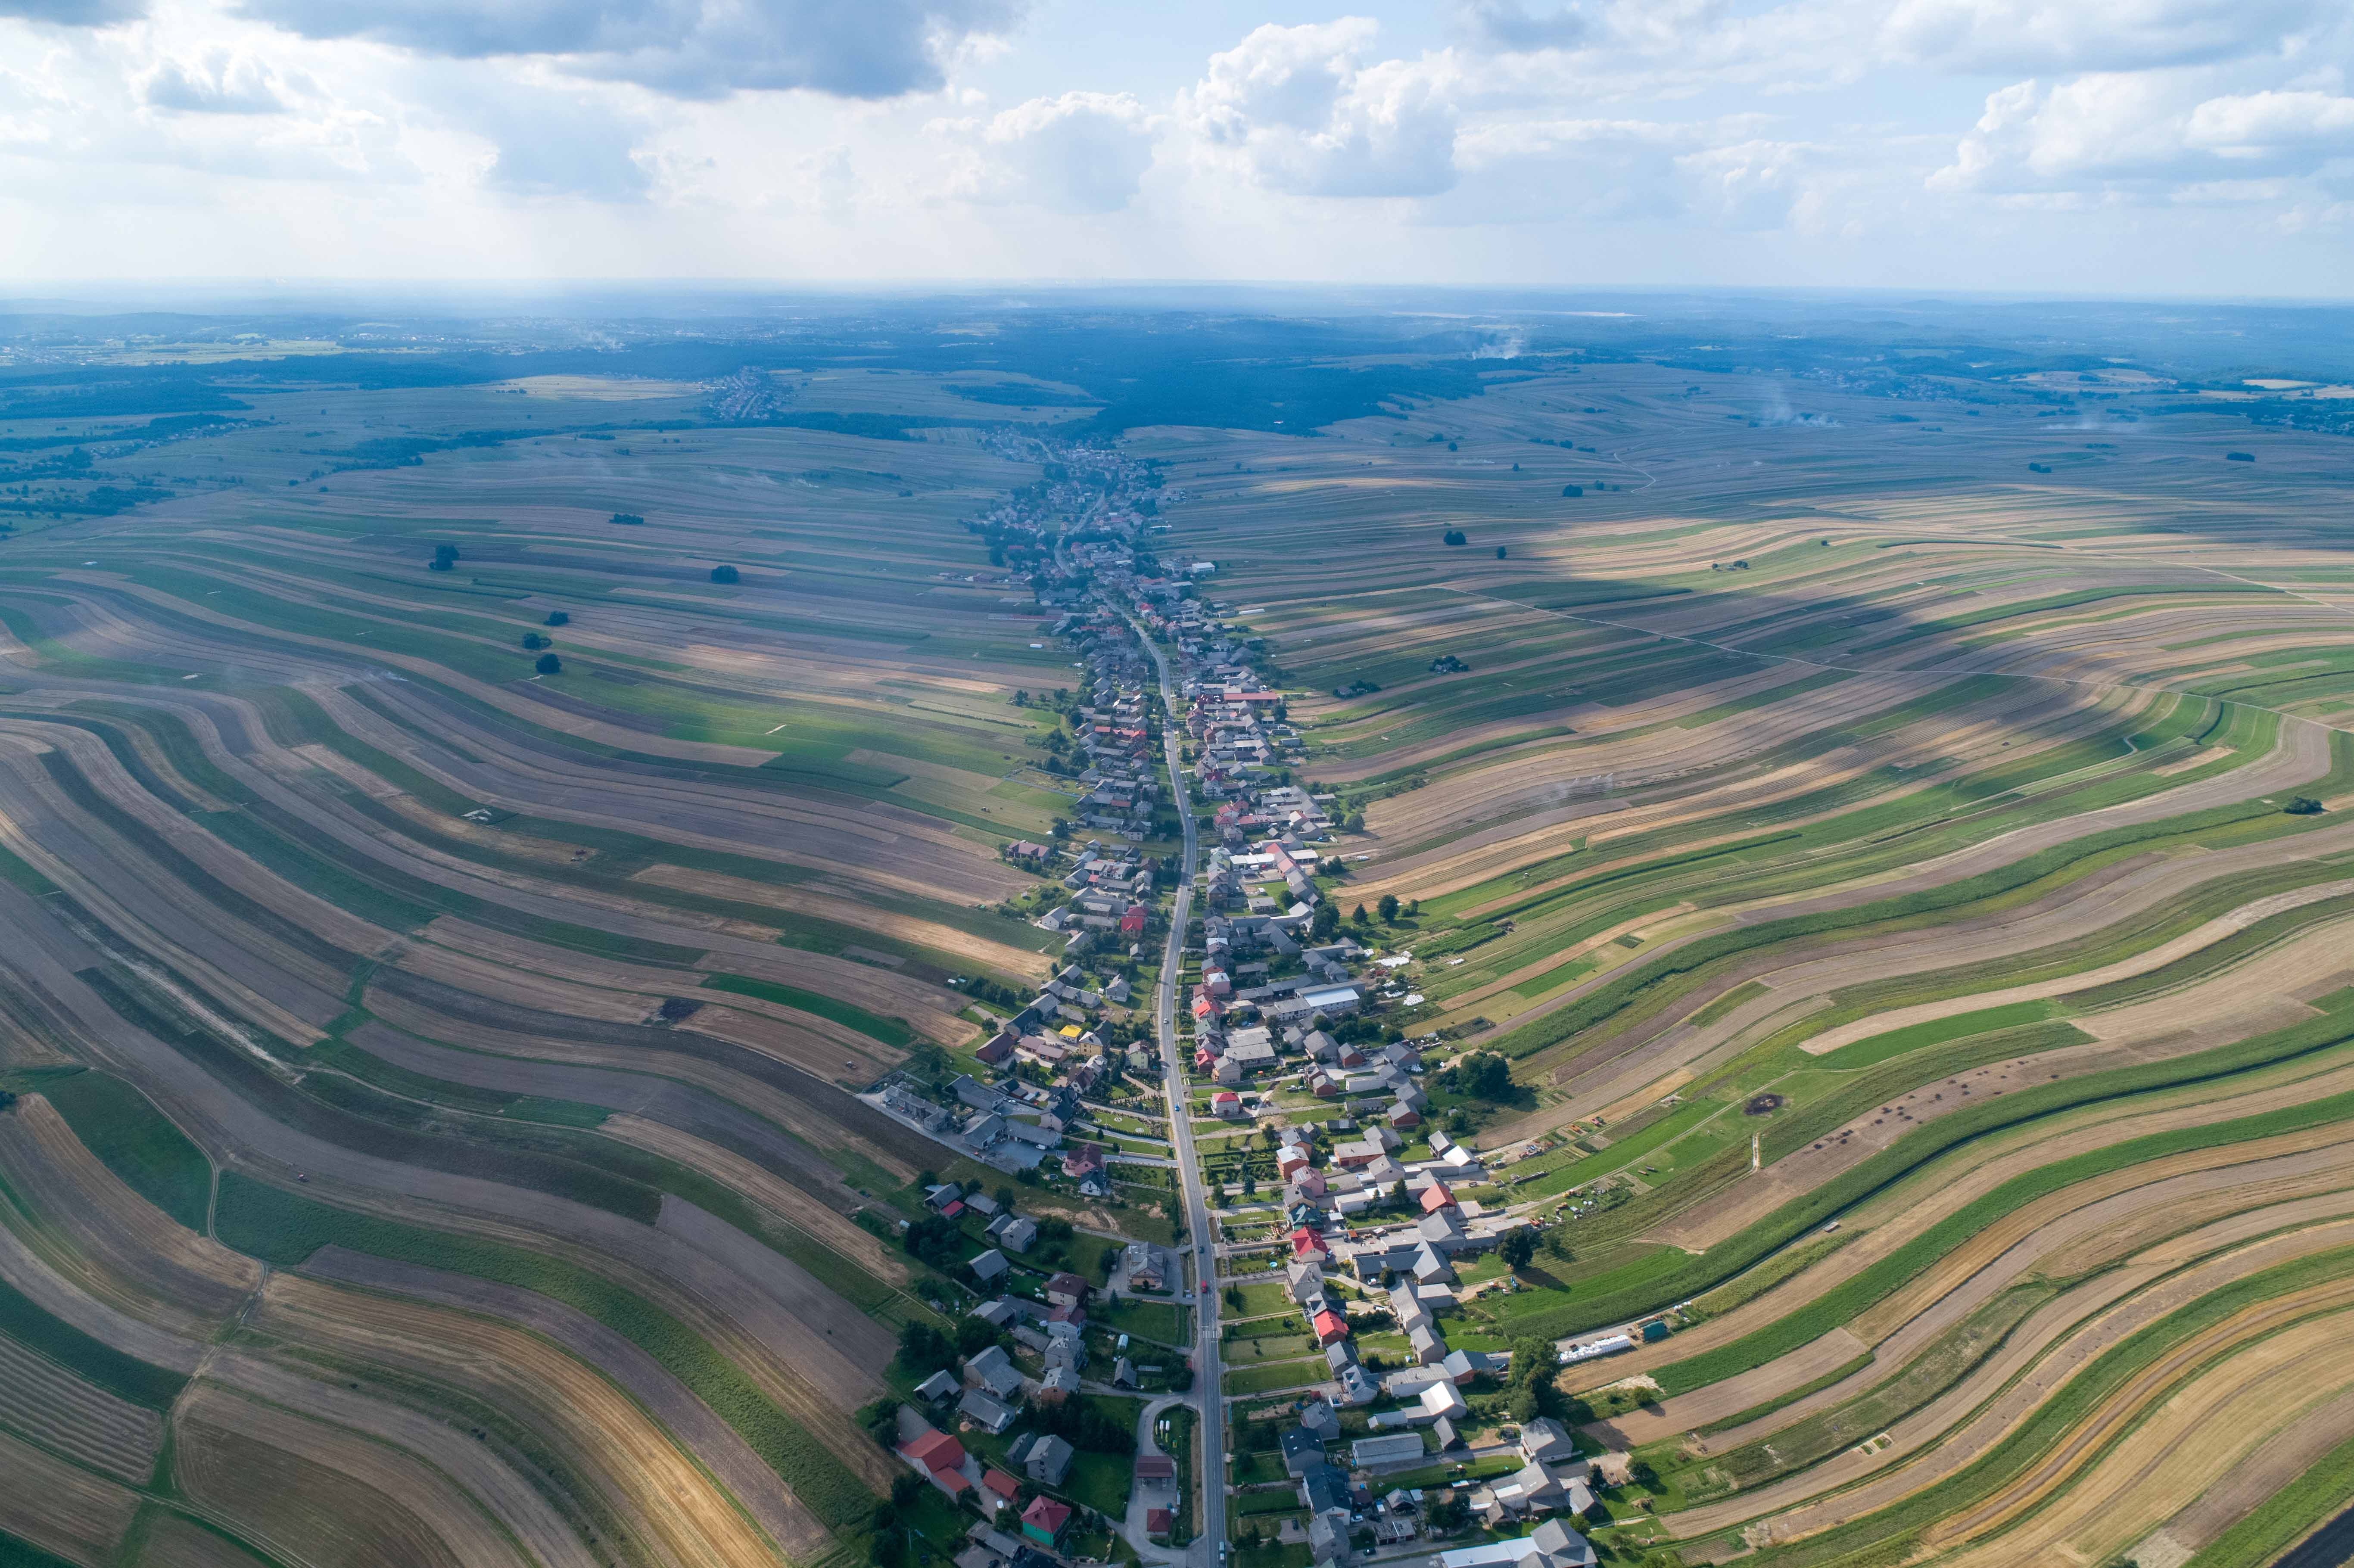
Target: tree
974, 1335
1323, 924
548, 664
559, 618
724, 574
1500, 552
1358, 916
627, 518
1519, 1248
534, 640
934, 1240
2302, 805
1482, 1075
905, 1491
1456, 536
1389, 909
924, 1350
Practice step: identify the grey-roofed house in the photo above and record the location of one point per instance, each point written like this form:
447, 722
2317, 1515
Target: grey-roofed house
1444, 1430
1043, 1457
1324, 1487
1427, 1346
1543, 1438
984, 1411
1552, 1544
1328, 1538
1464, 1365
994, 1370
937, 1386
1534, 1489
1338, 1354
979, 1095
1397, 1448
1301, 1448
990, 1267
1357, 1385
1443, 1231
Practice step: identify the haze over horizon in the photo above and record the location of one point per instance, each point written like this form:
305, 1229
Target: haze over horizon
2143, 147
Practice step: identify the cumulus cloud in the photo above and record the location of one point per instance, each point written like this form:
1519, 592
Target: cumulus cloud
1598, 171
1299, 111
216, 87
1080, 152
589, 157
2125, 134
1754, 185
2056, 36
1506, 27
684, 48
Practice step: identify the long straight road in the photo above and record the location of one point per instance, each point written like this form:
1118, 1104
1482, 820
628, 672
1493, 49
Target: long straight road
1209, 1380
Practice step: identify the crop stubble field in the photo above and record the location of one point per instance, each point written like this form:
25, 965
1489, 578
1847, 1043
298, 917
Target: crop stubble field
363, 1194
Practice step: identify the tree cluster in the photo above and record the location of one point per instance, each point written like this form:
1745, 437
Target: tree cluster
924, 1350
1482, 1075
936, 1240
1530, 1388
1085, 1427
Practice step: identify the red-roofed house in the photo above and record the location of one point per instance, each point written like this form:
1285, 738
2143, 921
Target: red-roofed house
1158, 1523
1043, 1519
938, 1458
1082, 1160
1330, 1328
997, 1487
1435, 1197
1307, 1243
1131, 924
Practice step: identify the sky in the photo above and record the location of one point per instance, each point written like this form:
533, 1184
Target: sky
2100, 147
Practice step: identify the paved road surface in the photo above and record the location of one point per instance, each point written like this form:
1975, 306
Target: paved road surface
1208, 1376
